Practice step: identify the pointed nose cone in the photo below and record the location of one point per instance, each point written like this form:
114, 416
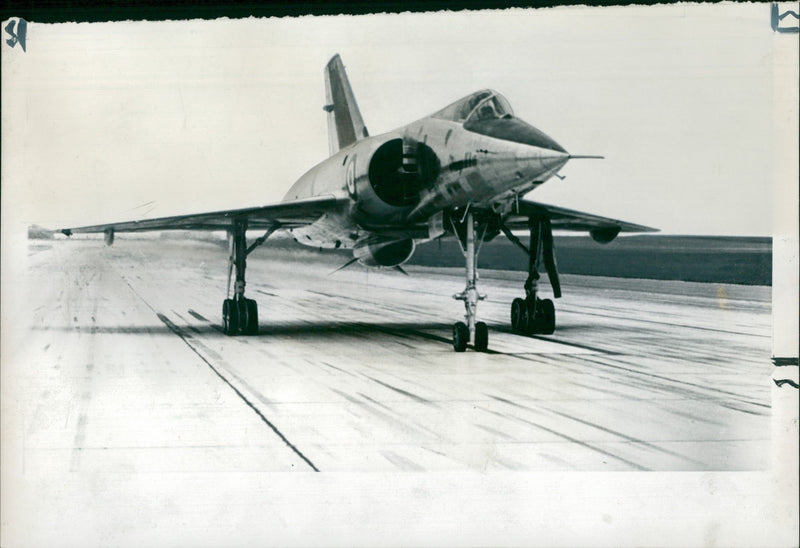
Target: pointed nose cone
536, 154
514, 130
553, 160
536, 162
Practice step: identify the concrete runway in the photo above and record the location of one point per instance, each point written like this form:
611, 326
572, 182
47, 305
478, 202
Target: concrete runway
120, 366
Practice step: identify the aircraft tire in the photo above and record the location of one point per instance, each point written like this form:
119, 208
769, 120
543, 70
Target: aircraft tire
252, 317
460, 336
481, 337
230, 317
532, 323
548, 321
518, 315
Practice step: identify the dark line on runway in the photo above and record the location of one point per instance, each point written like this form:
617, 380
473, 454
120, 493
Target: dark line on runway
509, 402
387, 417
199, 316
569, 438
583, 312
347, 396
268, 294
376, 402
661, 377
338, 369
602, 428
576, 345
174, 328
663, 404
401, 391
393, 333
422, 334
626, 437
507, 330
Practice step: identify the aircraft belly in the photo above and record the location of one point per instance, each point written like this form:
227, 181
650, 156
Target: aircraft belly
331, 231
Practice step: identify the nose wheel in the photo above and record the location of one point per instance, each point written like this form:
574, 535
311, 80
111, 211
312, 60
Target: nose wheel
471, 330
460, 336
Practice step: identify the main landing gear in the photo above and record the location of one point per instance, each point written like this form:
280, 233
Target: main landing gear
472, 330
240, 314
533, 315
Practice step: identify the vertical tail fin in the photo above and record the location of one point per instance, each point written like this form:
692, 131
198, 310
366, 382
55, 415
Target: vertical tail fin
345, 125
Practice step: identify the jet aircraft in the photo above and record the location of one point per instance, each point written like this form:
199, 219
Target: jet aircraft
461, 172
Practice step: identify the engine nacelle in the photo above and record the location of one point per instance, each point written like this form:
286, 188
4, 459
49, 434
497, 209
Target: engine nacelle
389, 184
384, 253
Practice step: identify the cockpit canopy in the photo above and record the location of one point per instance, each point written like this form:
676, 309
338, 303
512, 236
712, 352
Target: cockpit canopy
486, 104
488, 113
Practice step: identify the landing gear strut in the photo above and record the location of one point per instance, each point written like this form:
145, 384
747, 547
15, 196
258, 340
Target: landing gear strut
472, 330
533, 315
240, 314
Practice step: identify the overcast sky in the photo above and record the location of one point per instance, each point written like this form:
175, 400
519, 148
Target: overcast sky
113, 121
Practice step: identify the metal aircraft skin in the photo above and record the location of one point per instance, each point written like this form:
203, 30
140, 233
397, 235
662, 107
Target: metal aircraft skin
460, 172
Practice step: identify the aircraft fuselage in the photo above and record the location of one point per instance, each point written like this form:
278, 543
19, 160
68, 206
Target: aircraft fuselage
450, 167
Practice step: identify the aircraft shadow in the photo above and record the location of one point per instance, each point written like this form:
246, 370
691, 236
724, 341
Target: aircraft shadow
315, 329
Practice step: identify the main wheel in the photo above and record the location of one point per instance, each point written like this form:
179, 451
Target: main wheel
252, 317
241, 306
548, 321
230, 317
481, 337
532, 317
460, 336
518, 315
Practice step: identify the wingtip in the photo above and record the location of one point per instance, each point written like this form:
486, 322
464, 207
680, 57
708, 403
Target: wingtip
641, 229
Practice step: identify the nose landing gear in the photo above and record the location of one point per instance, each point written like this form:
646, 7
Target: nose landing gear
472, 330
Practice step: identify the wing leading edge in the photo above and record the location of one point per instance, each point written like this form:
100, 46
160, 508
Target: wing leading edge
602, 229
282, 215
